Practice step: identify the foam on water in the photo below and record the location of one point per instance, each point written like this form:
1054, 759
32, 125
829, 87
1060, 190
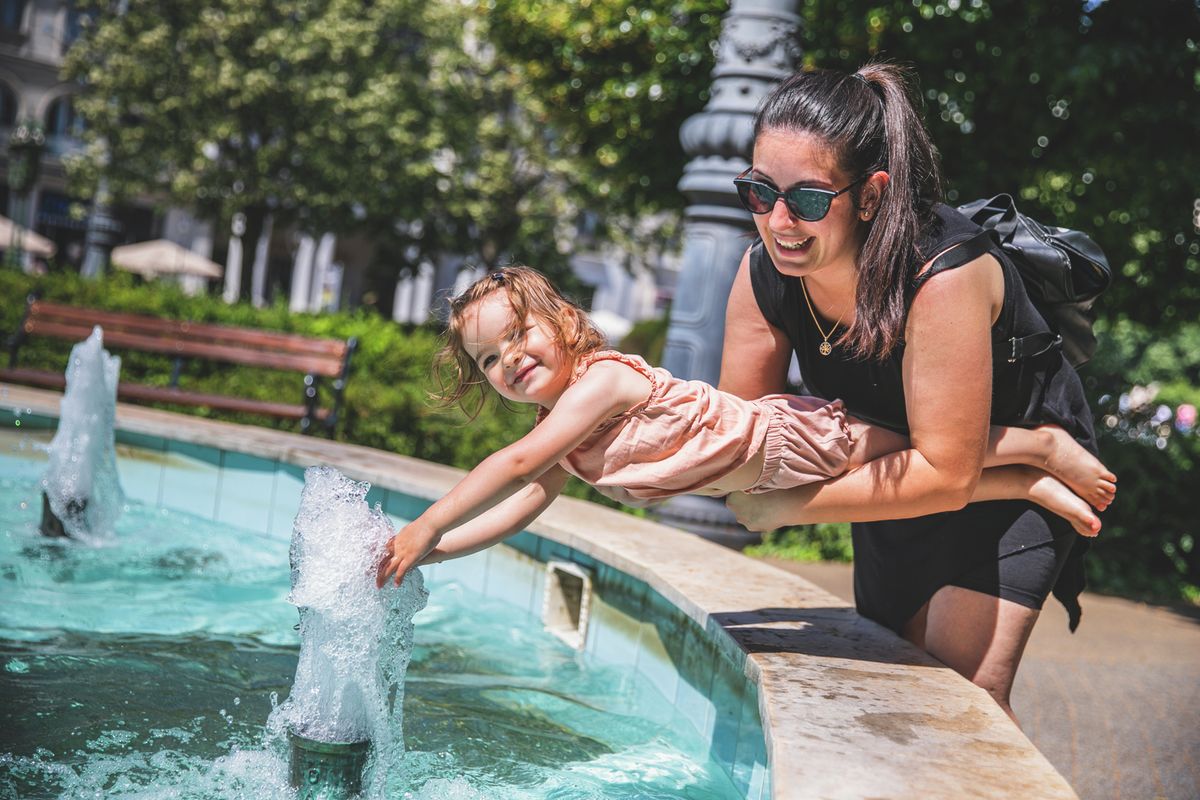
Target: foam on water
355, 640
83, 459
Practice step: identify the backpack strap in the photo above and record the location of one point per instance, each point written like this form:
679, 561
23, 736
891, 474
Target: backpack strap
961, 253
1033, 345
1022, 347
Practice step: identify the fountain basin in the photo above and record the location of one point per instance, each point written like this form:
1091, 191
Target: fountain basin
794, 694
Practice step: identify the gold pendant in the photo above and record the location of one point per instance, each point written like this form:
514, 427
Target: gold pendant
825, 348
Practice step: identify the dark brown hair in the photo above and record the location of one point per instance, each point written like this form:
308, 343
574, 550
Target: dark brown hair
870, 122
531, 295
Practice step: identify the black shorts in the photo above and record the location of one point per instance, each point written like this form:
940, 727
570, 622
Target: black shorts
1011, 549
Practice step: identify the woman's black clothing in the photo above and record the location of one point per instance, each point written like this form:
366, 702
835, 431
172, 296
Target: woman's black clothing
899, 564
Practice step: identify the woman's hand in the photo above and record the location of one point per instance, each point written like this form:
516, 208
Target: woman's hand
404, 551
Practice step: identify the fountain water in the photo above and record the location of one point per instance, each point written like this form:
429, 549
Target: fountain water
345, 709
82, 497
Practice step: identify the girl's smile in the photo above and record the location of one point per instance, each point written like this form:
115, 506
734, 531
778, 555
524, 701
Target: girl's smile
524, 365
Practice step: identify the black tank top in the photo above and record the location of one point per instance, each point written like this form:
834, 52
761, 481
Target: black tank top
1027, 391
1024, 392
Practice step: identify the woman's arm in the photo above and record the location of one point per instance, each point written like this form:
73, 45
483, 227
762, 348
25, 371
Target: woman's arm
756, 354
508, 517
947, 371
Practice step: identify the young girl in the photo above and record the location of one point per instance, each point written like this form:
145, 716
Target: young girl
639, 435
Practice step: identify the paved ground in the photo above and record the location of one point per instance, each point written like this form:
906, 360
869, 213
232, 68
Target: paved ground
1116, 706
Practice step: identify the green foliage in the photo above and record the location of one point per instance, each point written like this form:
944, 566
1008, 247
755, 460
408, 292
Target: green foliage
1084, 112
824, 542
309, 108
614, 81
648, 338
388, 403
1148, 544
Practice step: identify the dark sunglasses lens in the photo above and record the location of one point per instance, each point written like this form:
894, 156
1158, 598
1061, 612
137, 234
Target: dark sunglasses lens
756, 197
808, 204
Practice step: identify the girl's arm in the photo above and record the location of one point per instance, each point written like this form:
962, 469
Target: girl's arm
947, 371
507, 518
605, 390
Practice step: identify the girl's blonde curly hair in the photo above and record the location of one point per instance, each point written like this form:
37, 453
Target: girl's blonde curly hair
459, 379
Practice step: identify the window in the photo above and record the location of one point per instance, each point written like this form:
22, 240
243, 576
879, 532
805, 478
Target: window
8, 107
61, 119
63, 127
12, 14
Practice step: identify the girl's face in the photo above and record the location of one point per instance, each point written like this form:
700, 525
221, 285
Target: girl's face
526, 366
786, 159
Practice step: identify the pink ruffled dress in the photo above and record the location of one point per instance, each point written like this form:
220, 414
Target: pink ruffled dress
687, 435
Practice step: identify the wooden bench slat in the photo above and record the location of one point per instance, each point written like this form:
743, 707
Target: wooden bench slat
319, 365
195, 331
163, 394
179, 340
33, 377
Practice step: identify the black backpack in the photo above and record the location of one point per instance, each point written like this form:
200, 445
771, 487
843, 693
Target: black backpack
1064, 271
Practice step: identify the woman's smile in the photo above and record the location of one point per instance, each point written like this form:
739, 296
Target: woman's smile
794, 245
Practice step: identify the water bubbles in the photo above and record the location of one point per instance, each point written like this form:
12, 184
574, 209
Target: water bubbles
81, 479
355, 640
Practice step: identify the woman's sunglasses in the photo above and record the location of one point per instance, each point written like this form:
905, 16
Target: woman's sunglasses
804, 203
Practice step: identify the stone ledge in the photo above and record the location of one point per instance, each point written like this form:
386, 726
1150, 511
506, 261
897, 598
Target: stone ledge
849, 709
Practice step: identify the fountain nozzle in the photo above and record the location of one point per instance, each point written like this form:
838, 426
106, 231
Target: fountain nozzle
51, 525
326, 770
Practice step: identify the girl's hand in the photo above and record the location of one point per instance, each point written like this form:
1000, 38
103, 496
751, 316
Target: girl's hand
404, 551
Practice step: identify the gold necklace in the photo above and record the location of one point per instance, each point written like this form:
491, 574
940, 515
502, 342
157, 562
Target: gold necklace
824, 348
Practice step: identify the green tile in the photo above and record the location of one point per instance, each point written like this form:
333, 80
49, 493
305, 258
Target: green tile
695, 667
246, 491
285, 500
404, 507
726, 693
191, 479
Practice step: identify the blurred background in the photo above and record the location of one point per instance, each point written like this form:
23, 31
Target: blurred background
338, 167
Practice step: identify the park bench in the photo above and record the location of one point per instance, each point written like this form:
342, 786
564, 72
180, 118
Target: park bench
318, 359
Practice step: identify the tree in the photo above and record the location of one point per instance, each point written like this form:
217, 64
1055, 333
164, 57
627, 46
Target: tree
310, 109
614, 81
1085, 111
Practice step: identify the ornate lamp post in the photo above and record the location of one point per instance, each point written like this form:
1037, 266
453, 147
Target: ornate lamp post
102, 232
757, 48
25, 146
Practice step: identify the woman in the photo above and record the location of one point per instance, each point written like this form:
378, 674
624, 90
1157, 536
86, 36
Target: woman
845, 277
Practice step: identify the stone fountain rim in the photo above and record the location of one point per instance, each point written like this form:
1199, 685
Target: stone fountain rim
848, 709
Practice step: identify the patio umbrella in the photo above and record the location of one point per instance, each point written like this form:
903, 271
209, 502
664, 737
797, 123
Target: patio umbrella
163, 257
31, 242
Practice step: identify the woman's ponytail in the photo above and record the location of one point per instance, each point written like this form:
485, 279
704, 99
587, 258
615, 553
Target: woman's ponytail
870, 121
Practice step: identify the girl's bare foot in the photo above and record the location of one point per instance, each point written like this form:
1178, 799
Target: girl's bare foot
1077, 468
1054, 495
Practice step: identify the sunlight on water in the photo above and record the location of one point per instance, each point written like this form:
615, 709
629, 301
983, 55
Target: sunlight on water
148, 668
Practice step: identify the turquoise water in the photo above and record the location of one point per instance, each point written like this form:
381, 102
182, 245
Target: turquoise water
147, 669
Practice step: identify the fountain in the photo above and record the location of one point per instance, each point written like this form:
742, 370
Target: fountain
81, 496
343, 716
